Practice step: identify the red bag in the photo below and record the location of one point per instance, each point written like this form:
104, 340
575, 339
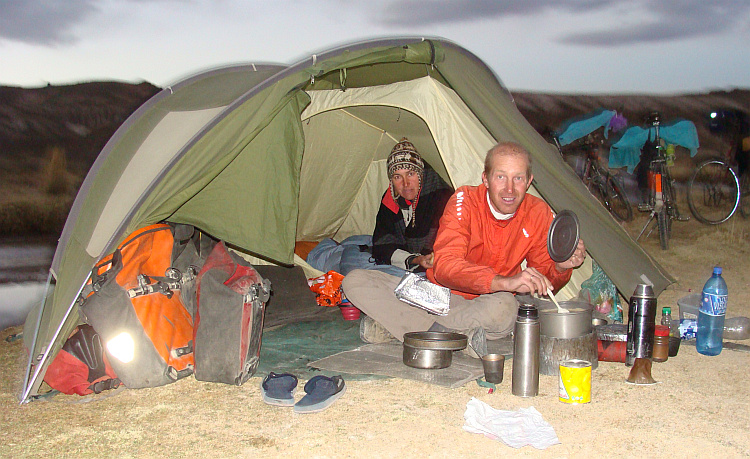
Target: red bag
228, 327
81, 367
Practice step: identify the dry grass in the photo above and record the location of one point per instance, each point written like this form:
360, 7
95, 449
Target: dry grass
34, 215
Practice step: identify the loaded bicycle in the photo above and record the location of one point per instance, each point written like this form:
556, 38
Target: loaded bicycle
601, 182
661, 199
721, 186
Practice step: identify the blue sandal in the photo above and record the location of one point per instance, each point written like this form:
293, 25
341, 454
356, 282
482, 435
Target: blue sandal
278, 389
321, 392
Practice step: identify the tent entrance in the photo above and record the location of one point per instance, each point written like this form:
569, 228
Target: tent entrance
349, 134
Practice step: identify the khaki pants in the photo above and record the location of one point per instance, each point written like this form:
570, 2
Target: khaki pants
372, 293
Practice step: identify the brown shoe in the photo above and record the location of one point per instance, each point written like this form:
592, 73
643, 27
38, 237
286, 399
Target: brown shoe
372, 332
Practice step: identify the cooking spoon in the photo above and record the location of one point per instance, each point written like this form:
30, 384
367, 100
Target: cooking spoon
560, 309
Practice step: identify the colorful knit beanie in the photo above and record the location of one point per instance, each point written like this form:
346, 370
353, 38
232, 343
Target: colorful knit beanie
404, 156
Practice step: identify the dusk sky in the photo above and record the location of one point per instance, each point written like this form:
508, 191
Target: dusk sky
573, 46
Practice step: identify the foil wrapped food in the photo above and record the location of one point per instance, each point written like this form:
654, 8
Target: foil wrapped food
417, 291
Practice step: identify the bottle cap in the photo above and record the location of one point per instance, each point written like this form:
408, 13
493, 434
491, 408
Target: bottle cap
528, 311
661, 330
717, 269
666, 310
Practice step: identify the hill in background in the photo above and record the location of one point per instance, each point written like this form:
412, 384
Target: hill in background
50, 137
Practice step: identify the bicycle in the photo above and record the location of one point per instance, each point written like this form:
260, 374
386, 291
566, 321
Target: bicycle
714, 192
662, 199
720, 186
601, 183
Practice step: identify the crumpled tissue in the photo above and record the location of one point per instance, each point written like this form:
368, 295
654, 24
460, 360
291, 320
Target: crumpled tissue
514, 428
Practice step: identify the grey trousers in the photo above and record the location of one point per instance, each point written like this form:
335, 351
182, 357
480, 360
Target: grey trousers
372, 293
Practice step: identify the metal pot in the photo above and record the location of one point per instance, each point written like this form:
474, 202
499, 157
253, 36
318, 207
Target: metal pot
569, 325
431, 350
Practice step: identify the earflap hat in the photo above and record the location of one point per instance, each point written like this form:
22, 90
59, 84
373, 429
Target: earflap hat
404, 156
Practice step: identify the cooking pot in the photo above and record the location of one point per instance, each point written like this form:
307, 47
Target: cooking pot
573, 324
431, 350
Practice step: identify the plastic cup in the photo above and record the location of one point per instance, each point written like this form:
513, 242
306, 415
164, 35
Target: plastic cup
674, 345
349, 312
493, 365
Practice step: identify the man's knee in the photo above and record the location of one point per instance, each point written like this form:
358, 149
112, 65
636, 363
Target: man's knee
353, 280
501, 310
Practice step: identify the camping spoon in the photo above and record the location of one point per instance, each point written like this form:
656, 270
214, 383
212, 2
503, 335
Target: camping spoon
560, 309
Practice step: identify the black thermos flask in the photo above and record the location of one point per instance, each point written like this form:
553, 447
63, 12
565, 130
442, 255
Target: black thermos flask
641, 324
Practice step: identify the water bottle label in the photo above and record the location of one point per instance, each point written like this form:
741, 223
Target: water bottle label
713, 305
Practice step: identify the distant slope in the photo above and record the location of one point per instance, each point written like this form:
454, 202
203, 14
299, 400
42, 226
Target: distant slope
79, 118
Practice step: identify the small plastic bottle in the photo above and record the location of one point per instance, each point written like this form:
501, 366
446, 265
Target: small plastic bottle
711, 315
666, 318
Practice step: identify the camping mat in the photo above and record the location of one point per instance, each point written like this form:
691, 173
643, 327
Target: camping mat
289, 348
291, 298
387, 360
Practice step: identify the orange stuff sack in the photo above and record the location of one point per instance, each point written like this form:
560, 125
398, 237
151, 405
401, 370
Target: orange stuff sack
327, 288
137, 310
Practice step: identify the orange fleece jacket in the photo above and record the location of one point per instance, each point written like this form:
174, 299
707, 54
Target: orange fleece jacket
472, 246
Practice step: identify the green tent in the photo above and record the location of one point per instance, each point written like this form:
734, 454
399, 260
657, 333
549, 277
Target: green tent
262, 156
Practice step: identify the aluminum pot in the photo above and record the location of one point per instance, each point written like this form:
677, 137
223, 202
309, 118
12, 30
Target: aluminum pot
431, 350
569, 325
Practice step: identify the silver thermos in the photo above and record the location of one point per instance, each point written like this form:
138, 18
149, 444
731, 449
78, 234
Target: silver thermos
641, 324
526, 352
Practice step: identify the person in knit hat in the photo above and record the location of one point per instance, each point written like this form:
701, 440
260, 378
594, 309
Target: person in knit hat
405, 226
410, 210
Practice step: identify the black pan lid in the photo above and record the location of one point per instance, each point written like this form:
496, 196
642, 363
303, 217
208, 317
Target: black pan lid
563, 236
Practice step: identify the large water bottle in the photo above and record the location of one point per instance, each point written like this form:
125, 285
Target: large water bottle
711, 315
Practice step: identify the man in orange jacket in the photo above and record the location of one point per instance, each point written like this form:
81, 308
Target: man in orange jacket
485, 233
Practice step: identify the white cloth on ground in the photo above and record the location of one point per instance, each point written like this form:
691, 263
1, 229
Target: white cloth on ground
514, 428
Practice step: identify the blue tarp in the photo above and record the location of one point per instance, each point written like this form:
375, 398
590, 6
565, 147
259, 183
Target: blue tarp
584, 125
626, 152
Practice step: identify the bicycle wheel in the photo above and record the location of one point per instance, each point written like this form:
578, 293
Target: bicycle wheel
713, 192
745, 195
664, 223
616, 201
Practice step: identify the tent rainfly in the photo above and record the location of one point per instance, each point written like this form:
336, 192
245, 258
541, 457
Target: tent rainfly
265, 155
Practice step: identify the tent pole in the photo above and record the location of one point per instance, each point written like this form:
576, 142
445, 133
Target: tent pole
36, 335
45, 356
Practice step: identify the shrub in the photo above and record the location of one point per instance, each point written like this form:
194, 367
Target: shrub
55, 174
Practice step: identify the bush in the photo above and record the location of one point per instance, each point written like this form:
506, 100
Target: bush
55, 174
34, 216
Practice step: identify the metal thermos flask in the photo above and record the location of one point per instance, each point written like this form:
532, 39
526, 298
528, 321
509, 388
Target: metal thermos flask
526, 352
641, 324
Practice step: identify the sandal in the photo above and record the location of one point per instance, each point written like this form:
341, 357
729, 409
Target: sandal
321, 392
278, 389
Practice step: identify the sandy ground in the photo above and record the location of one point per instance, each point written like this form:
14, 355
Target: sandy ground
700, 408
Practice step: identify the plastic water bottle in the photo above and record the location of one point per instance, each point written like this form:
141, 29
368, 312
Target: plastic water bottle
711, 315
